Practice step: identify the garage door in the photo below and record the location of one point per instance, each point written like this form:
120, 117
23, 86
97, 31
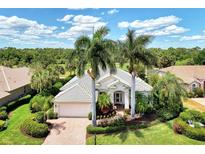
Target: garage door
74, 109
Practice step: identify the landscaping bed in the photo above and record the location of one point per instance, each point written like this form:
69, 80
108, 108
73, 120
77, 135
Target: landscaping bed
191, 123
13, 135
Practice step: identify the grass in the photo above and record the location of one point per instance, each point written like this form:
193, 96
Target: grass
13, 135
194, 105
159, 134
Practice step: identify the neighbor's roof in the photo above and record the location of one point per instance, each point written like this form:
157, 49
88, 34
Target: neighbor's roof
13, 78
188, 73
79, 89
3, 94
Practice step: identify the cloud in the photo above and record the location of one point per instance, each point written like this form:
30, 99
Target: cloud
123, 24
66, 18
169, 30
158, 22
21, 27
158, 27
193, 38
81, 24
113, 11
151, 23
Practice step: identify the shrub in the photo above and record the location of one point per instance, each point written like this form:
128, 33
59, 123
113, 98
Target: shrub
3, 108
40, 103
100, 130
127, 111
186, 116
13, 105
51, 114
165, 115
34, 129
90, 115
198, 92
181, 126
3, 115
191, 95
56, 88
40, 117
104, 102
2, 125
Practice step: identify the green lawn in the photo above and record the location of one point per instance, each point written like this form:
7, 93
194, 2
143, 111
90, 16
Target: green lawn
159, 134
13, 135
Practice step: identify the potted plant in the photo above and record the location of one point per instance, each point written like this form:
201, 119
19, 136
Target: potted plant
104, 102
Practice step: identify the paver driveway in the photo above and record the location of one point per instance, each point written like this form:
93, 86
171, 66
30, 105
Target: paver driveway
67, 131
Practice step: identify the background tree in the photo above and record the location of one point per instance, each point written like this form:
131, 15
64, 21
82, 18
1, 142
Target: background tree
133, 51
94, 53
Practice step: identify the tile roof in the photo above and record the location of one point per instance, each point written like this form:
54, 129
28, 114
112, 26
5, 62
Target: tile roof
13, 78
187, 73
79, 89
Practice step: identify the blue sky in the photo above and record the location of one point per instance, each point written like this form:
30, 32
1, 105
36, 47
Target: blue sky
30, 28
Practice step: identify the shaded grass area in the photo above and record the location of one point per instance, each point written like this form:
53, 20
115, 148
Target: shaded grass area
13, 134
193, 105
159, 134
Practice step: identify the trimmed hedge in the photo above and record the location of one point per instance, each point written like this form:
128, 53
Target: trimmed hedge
51, 114
2, 125
193, 115
165, 115
3, 115
34, 129
13, 105
40, 117
182, 127
101, 130
3, 108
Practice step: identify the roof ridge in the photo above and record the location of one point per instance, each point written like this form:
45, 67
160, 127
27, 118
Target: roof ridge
7, 83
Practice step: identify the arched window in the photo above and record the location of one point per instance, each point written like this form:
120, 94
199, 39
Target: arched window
193, 86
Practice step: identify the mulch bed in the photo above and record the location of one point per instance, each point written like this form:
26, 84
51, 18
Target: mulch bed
143, 119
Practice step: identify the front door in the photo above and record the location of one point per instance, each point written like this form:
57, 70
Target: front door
118, 97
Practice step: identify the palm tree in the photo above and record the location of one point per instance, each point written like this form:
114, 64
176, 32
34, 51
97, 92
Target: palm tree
94, 53
133, 50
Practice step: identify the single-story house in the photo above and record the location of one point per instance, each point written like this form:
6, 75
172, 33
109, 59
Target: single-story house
74, 100
193, 76
14, 83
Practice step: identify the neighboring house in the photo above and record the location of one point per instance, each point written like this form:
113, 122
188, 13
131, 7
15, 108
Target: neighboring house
74, 100
14, 83
193, 76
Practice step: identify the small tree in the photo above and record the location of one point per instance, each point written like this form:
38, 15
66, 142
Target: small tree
104, 102
167, 94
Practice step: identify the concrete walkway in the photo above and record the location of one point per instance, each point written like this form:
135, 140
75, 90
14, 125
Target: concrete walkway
67, 131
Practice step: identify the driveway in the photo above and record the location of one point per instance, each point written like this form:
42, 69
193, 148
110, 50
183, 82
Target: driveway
67, 131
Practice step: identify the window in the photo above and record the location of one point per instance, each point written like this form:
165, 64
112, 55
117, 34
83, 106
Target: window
194, 86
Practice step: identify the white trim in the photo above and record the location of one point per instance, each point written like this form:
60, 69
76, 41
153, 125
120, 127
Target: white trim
104, 77
62, 92
7, 83
114, 82
121, 80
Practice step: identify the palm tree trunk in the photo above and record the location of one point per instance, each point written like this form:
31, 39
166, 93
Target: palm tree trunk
93, 103
133, 95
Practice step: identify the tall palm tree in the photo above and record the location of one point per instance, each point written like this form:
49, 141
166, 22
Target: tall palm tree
133, 50
94, 53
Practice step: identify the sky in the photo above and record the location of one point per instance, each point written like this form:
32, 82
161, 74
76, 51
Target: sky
54, 28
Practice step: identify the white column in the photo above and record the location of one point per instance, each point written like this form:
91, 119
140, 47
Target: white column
126, 99
111, 93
